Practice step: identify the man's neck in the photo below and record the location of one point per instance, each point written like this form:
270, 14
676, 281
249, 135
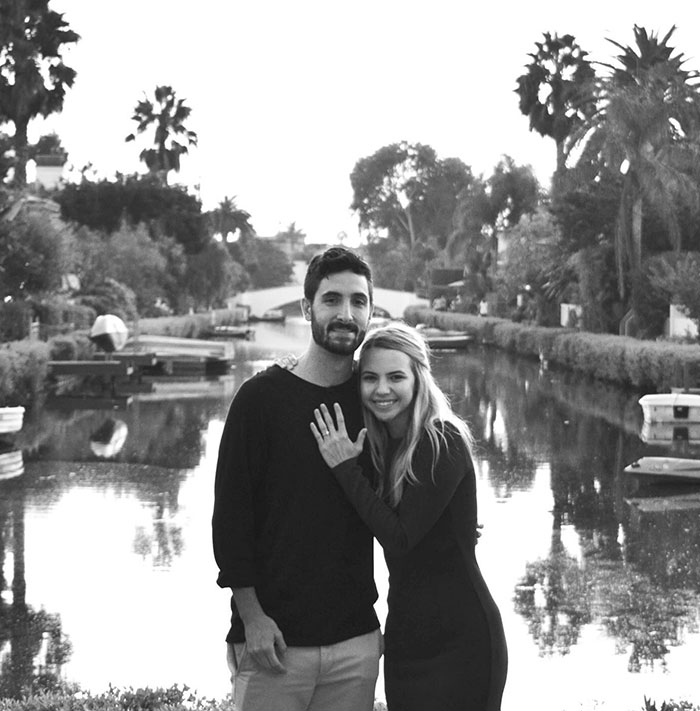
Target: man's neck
316, 365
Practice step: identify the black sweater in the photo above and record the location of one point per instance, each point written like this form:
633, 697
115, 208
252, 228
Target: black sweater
281, 522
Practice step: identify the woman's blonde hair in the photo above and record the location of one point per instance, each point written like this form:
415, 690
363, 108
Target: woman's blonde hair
431, 412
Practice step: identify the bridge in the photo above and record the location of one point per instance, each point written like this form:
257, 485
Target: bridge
392, 301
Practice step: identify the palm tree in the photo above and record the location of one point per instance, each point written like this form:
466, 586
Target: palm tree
226, 219
33, 77
557, 92
168, 115
648, 120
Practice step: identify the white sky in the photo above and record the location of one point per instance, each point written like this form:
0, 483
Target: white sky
287, 95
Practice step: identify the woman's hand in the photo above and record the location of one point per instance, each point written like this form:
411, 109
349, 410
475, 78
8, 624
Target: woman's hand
287, 362
333, 441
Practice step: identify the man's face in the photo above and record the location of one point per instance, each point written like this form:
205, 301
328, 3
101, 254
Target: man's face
340, 312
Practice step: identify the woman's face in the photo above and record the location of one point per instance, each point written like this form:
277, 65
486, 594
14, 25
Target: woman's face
386, 387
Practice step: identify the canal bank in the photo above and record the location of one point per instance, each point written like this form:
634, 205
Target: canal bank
646, 366
649, 366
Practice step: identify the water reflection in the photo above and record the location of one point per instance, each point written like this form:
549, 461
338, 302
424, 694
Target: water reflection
618, 561
33, 647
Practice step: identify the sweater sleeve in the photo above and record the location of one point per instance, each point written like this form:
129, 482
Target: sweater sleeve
398, 530
238, 470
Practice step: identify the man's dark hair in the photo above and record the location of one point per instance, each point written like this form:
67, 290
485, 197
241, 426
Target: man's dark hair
333, 261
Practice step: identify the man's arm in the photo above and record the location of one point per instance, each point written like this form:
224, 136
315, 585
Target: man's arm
264, 641
233, 523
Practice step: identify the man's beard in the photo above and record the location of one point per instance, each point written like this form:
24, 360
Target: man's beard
323, 338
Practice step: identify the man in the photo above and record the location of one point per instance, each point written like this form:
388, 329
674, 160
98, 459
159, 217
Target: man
304, 635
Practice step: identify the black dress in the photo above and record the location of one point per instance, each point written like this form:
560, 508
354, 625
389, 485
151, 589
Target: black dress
445, 645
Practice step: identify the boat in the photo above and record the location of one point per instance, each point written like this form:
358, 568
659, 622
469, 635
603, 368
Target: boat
666, 469
440, 339
670, 433
273, 315
11, 419
671, 407
231, 332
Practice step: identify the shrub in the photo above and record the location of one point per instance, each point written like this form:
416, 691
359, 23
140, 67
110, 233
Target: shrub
15, 317
23, 372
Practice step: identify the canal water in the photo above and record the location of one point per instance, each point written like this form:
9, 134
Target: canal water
107, 576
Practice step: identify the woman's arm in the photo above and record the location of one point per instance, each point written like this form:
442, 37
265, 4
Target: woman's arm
422, 503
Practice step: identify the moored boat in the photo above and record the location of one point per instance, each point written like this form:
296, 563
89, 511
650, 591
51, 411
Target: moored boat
11, 419
11, 464
671, 407
666, 469
439, 339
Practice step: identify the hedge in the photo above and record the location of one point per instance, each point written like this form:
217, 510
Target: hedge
645, 365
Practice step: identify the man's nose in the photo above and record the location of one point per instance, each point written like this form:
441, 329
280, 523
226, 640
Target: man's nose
345, 311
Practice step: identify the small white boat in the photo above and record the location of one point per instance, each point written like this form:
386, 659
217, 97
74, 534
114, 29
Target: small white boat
11, 419
667, 469
671, 407
438, 338
669, 433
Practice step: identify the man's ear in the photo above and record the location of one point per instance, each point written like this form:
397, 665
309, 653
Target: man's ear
306, 309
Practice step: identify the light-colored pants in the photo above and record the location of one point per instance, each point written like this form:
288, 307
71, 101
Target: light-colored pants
337, 677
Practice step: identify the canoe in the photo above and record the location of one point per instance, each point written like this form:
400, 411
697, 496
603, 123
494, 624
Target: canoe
667, 469
671, 407
11, 419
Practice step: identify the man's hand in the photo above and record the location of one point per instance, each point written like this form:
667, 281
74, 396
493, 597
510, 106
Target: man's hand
265, 643
264, 640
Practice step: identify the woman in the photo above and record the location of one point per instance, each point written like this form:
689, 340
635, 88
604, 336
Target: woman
445, 647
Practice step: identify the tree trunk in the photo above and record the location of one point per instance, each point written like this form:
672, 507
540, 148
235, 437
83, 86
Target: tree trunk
21, 153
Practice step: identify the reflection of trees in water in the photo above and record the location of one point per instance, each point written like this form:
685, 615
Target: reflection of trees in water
33, 647
551, 596
632, 571
164, 542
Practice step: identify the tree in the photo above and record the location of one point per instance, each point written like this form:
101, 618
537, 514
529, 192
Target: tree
33, 77
266, 264
678, 277
167, 210
213, 275
557, 92
171, 138
227, 220
405, 192
34, 255
484, 210
647, 126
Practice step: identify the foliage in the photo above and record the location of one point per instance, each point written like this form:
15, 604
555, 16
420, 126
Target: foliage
532, 258
266, 264
227, 219
48, 145
15, 317
23, 372
148, 268
166, 210
406, 192
33, 77
34, 255
677, 276
167, 116
110, 297
483, 210
393, 264
649, 115
213, 275
557, 91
